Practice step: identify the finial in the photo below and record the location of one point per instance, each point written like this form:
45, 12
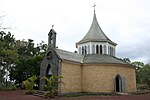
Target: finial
94, 7
52, 26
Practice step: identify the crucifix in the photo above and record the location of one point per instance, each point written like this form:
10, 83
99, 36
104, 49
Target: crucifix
94, 7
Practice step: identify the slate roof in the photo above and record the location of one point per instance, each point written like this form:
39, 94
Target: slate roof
66, 55
89, 58
95, 33
102, 59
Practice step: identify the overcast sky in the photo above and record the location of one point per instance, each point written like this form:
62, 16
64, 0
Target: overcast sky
126, 22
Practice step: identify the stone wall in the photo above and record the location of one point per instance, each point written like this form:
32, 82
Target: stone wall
95, 78
100, 78
71, 73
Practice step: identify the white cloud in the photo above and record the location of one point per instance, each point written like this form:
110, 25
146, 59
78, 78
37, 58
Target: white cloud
125, 22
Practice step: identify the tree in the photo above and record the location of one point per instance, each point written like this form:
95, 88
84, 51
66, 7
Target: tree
19, 59
127, 60
139, 65
7, 54
28, 61
145, 75
142, 75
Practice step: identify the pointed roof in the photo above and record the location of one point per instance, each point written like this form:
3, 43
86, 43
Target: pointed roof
95, 33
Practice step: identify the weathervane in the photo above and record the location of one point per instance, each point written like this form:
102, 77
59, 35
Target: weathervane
94, 7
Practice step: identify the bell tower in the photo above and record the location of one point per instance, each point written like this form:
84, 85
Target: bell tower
95, 41
52, 38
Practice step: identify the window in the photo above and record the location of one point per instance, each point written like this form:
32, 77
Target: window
111, 51
85, 50
93, 49
82, 50
101, 50
97, 49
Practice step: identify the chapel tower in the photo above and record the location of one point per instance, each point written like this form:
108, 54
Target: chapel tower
52, 38
95, 41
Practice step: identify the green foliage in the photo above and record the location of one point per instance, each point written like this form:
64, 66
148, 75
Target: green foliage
142, 75
138, 66
19, 59
8, 87
145, 75
28, 61
51, 85
127, 60
26, 67
8, 55
29, 83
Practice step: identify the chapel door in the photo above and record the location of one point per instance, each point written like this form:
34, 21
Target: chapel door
118, 83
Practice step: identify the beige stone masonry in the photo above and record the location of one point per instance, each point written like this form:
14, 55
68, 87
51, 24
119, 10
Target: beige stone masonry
95, 77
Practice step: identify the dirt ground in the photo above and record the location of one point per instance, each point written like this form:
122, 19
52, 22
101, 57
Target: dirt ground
18, 95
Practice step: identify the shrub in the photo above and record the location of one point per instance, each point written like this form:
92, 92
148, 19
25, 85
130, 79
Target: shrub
51, 85
8, 87
29, 83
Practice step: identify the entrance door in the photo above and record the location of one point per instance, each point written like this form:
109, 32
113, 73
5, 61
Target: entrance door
118, 84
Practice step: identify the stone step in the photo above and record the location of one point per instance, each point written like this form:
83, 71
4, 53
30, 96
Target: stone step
121, 93
39, 93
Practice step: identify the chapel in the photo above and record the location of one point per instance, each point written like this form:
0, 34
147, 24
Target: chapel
93, 68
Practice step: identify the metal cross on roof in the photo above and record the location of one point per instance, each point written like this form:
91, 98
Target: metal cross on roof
94, 7
52, 26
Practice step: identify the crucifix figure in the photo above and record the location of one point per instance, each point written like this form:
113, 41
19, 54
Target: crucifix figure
94, 7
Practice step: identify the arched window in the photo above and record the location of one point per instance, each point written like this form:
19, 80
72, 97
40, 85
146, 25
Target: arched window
82, 49
104, 49
109, 50
79, 50
93, 49
85, 50
88, 49
97, 49
101, 50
